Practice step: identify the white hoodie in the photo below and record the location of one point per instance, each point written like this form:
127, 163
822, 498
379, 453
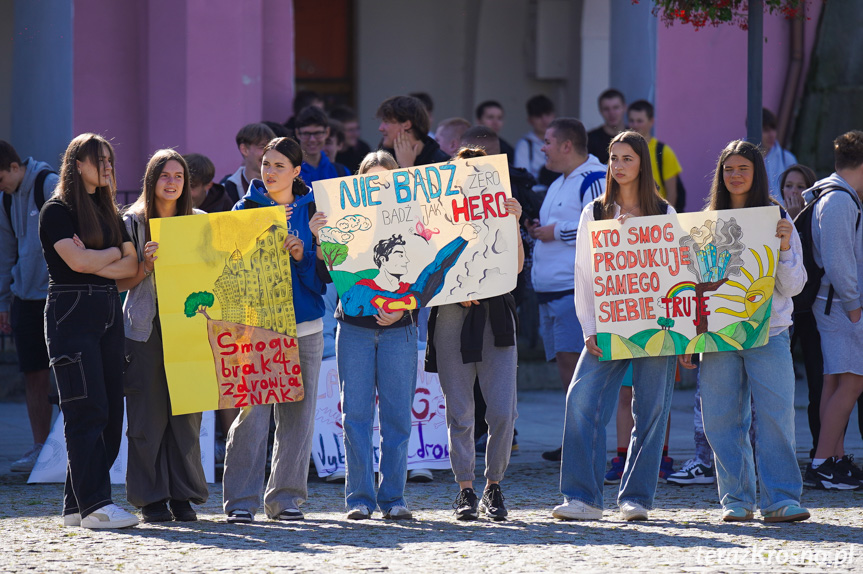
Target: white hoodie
554, 261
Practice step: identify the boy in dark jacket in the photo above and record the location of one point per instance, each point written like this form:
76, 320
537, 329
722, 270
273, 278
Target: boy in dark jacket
404, 128
206, 194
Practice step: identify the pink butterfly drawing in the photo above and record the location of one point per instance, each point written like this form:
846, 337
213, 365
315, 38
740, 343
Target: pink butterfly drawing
425, 232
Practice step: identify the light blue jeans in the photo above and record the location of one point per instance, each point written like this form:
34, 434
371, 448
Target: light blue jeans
382, 360
728, 380
589, 405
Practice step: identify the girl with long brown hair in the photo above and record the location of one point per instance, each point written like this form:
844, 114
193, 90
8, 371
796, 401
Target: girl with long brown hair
761, 376
630, 192
87, 250
164, 462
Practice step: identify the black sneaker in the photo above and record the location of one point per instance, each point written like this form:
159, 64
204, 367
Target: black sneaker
846, 464
830, 475
156, 512
465, 505
182, 511
492, 503
553, 455
240, 517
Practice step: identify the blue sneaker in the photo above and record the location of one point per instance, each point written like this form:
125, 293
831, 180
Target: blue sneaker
666, 468
616, 471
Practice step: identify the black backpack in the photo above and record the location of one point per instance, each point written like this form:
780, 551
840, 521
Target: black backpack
38, 194
803, 222
680, 203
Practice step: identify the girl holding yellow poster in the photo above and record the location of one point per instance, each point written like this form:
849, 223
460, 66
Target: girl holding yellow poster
245, 457
164, 463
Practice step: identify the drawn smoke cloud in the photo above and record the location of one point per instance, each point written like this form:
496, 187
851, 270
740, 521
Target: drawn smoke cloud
344, 230
333, 235
351, 223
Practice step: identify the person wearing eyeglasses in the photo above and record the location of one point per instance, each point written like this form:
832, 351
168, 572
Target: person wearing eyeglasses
313, 128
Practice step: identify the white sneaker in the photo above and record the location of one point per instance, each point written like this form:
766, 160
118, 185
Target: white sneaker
398, 513
360, 512
28, 461
72, 519
337, 476
633, 511
576, 510
109, 516
420, 475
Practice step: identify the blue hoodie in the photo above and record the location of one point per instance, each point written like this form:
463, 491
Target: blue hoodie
325, 170
308, 287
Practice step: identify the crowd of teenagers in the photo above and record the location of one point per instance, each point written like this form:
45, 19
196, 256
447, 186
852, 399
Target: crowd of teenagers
69, 251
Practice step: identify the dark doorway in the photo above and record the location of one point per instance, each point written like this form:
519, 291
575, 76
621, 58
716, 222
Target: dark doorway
324, 49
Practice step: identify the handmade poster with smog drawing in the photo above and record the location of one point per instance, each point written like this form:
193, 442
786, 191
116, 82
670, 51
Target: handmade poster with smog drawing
223, 282
687, 283
419, 236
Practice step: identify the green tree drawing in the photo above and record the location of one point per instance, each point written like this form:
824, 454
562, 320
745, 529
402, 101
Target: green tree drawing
198, 303
334, 253
665, 322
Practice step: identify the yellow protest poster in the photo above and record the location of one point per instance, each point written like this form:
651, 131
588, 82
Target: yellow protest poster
223, 285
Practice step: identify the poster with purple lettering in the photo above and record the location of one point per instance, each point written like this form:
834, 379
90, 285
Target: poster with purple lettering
420, 236
223, 283
427, 448
686, 283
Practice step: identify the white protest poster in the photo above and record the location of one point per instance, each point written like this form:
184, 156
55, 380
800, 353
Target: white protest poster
428, 446
420, 236
51, 464
686, 283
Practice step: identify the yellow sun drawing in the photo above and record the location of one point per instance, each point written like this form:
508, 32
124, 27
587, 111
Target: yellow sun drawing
759, 290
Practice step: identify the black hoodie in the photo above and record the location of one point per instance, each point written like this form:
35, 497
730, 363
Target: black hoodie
217, 200
431, 153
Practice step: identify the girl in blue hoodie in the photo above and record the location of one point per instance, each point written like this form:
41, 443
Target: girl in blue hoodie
245, 457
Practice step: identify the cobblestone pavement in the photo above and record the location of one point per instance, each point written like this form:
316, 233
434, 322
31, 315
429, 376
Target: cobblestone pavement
684, 532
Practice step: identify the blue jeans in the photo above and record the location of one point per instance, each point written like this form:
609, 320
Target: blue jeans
382, 360
729, 379
589, 405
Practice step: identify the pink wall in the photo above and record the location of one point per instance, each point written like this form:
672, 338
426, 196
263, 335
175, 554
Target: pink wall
186, 74
108, 71
701, 91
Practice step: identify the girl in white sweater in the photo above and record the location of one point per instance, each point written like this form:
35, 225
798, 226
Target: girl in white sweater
630, 192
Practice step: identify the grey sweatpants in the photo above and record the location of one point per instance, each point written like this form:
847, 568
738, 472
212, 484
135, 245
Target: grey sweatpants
497, 378
246, 452
164, 450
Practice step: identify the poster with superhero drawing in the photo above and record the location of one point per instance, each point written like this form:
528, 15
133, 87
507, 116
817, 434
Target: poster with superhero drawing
420, 236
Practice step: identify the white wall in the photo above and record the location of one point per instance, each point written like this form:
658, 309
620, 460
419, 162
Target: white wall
595, 59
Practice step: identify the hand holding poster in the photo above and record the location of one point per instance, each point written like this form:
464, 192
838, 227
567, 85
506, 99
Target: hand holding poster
685, 283
420, 236
226, 307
